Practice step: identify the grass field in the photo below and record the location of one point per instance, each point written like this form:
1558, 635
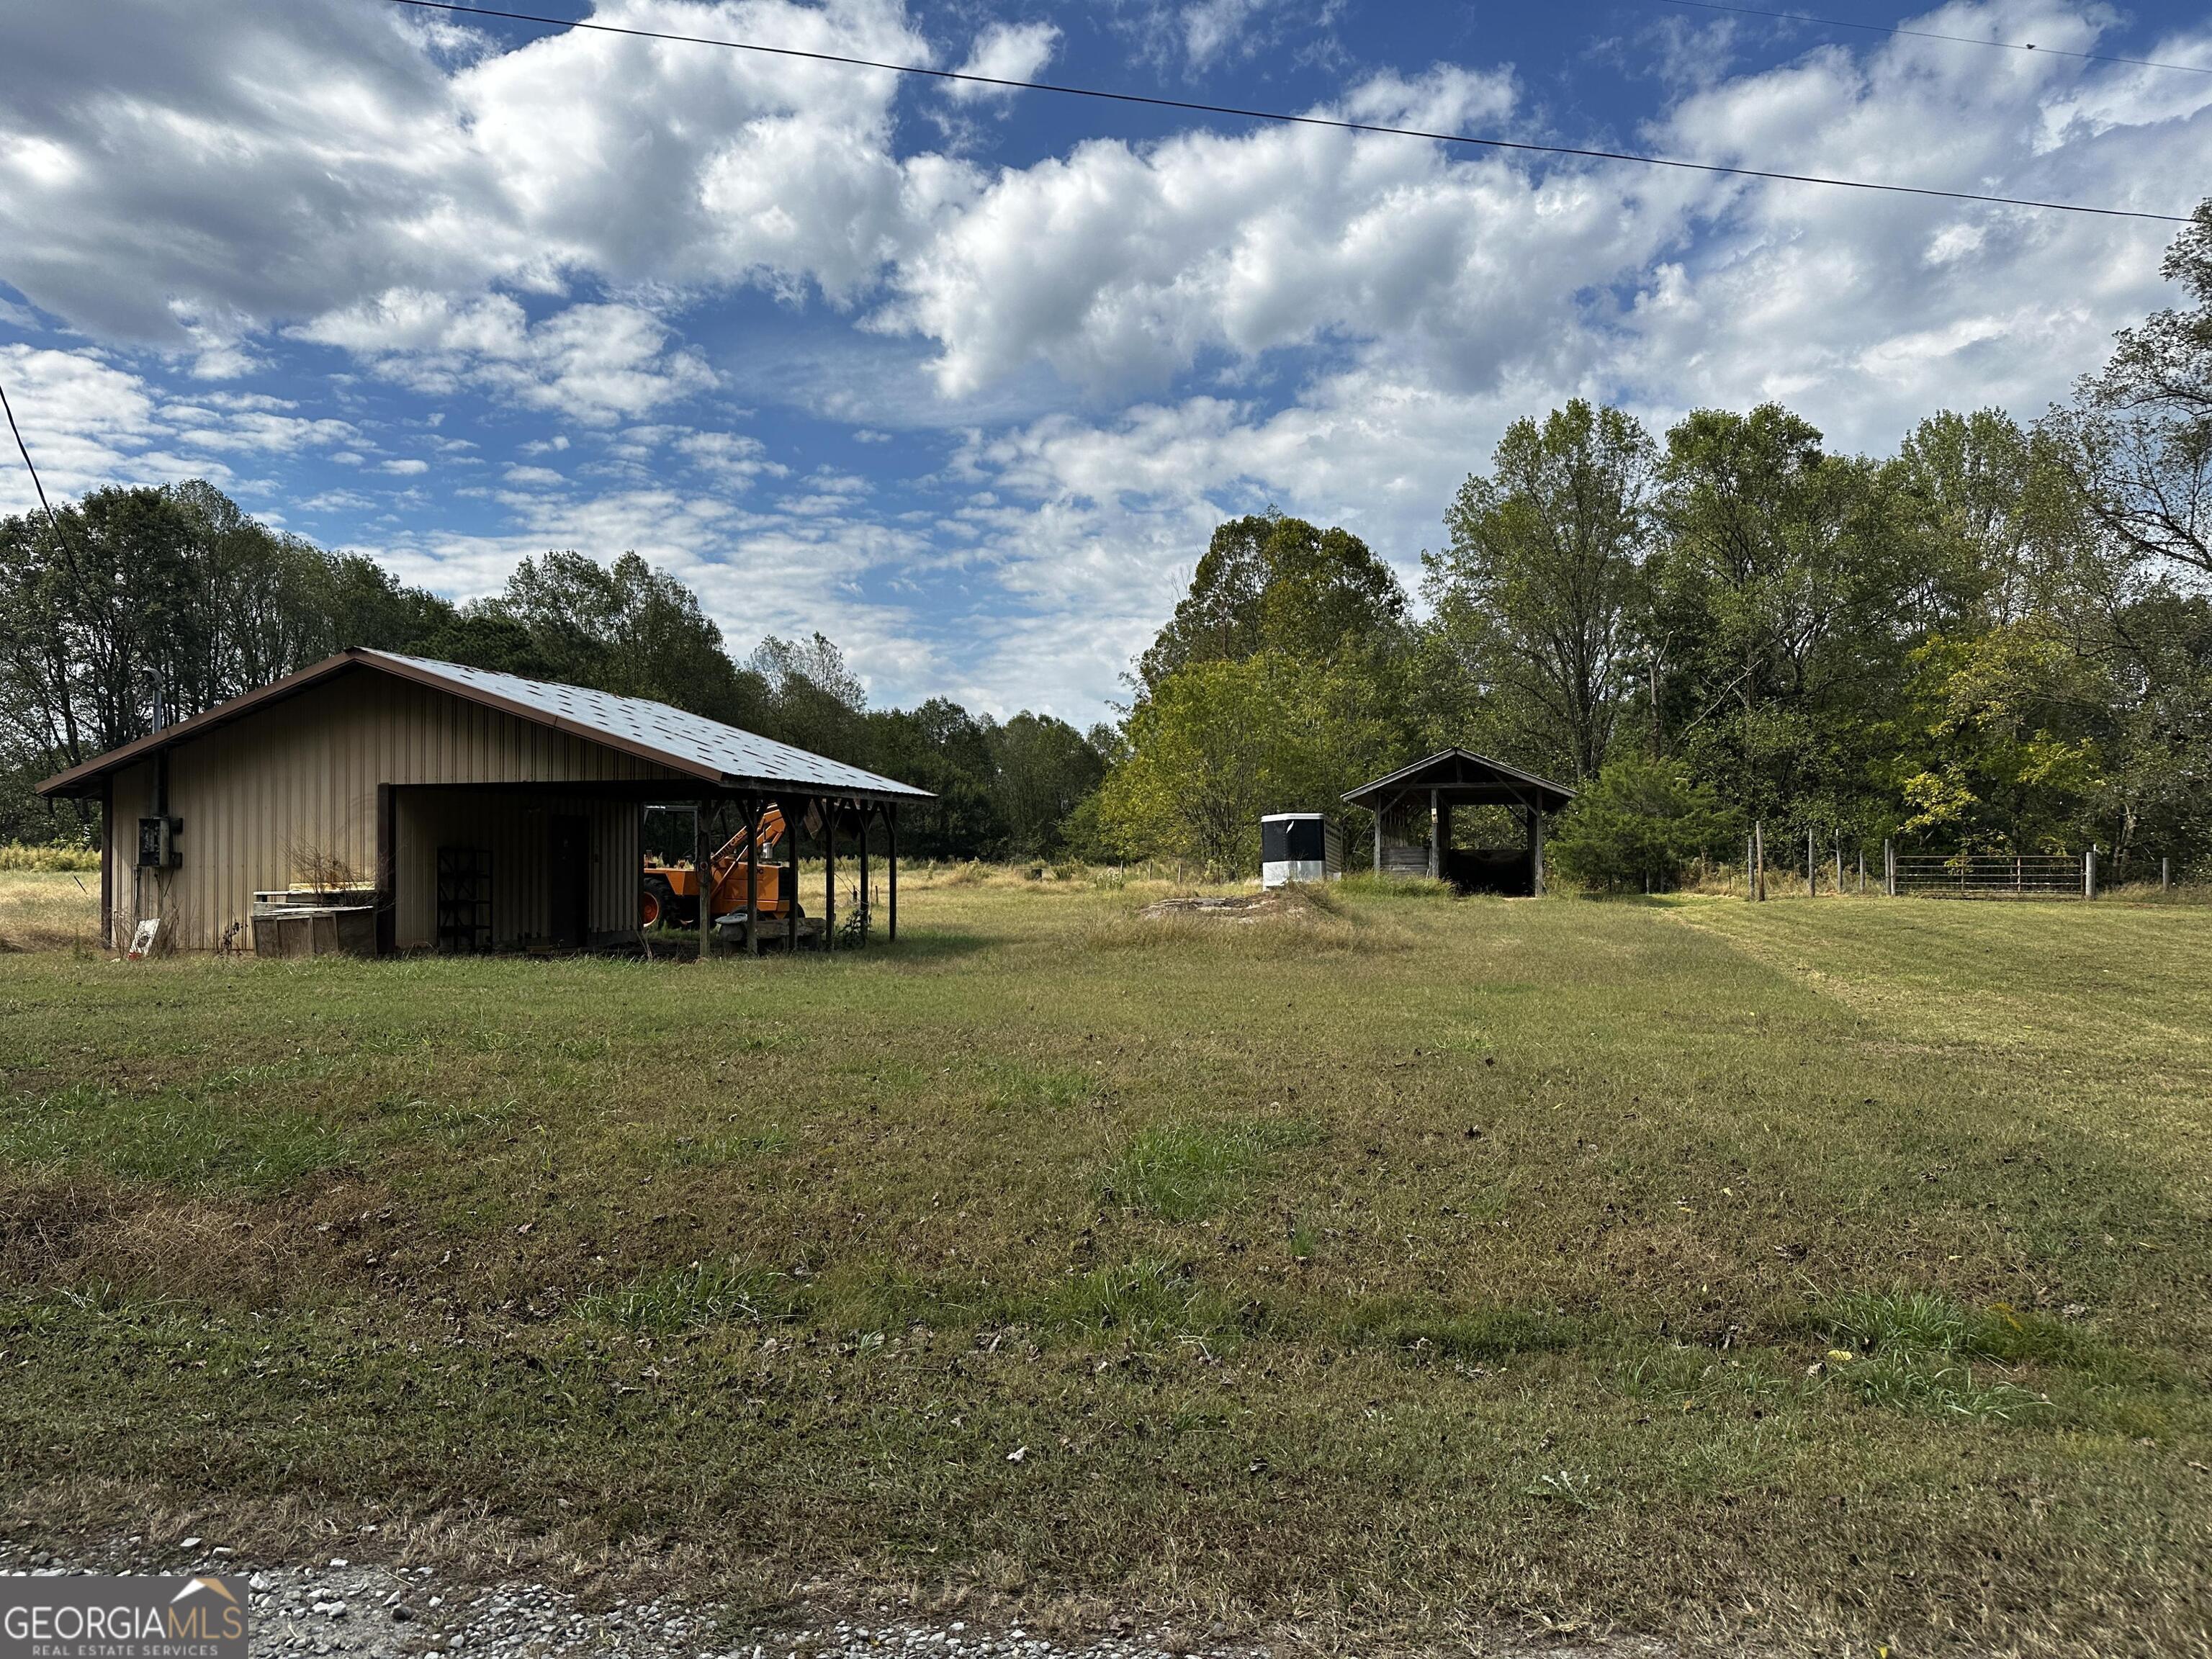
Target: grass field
1815, 1276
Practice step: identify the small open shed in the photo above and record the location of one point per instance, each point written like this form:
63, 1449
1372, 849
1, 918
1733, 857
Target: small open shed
434, 806
1412, 808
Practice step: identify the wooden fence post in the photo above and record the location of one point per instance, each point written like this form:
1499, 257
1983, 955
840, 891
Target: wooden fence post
1750, 886
1812, 867
1758, 858
2089, 872
2166, 875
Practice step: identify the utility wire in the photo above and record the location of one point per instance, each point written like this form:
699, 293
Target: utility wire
1930, 34
1279, 117
52, 523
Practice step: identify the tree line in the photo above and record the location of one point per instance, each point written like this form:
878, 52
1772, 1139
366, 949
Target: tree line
147, 605
1997, 639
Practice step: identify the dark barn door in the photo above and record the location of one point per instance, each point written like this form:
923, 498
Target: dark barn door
568, 871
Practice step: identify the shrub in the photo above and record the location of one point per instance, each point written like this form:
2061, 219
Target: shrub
1636, 827
58, 856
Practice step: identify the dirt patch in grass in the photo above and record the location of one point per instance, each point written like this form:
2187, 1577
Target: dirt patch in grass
1280, 920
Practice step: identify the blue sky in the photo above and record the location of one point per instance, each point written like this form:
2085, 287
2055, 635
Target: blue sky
965, 381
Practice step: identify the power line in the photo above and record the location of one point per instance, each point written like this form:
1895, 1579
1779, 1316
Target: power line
23, 450
52, 523
1279, 117
1930, 34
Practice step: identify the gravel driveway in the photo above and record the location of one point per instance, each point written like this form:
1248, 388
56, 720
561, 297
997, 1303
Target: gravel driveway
341, 1605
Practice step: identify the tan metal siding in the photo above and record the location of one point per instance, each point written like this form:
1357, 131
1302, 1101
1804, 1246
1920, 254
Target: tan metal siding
301, 776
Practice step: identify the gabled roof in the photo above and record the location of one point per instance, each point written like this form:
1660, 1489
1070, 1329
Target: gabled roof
692, 744
1465, 778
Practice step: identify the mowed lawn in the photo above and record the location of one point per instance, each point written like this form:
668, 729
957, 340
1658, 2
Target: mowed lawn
1815, 1276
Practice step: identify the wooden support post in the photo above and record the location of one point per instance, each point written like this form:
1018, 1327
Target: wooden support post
2166, 875
1379, 838
890, 837
867, 822
1889, 868
1758, 860
1436, 853
107, 862
829, 875
1862, 872
702, 862
2089, 873
1750, 891
1536, 850
794, 820
752, 874
1812, 868
1839, 869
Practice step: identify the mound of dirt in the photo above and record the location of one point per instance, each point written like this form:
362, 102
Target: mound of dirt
1275, 901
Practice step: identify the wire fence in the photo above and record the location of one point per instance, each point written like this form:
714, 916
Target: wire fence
1990, 876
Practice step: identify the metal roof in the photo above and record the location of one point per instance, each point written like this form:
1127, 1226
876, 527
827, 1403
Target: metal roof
1466, 778
691, 743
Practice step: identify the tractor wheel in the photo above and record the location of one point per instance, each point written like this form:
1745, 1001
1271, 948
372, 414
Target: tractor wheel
658, 905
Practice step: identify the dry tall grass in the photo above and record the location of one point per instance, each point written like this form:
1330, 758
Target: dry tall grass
46, 910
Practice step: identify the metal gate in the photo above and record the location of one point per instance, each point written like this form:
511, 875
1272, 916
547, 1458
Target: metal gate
1993, 875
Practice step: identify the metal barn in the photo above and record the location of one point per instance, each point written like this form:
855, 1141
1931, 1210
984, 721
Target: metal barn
461, 808
1412, 808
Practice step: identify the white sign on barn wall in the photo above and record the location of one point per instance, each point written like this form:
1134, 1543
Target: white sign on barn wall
143, 941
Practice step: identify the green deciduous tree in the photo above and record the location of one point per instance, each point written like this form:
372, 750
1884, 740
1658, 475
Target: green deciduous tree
2139, 434
1271, 583
1534, 590
1215, 744
1637, 825
1774, 616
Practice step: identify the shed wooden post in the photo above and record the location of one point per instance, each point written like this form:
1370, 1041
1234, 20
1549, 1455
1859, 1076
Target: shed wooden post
1379, 838
752, 874
891, 836
1435, 822
867, 817
793, 822
829, 875
1536, 851
107, 862
702, 861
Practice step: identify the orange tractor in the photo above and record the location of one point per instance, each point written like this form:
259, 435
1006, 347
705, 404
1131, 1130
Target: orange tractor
670, 896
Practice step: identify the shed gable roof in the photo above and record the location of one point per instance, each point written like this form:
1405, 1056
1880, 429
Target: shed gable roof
715, 753
1466, 778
